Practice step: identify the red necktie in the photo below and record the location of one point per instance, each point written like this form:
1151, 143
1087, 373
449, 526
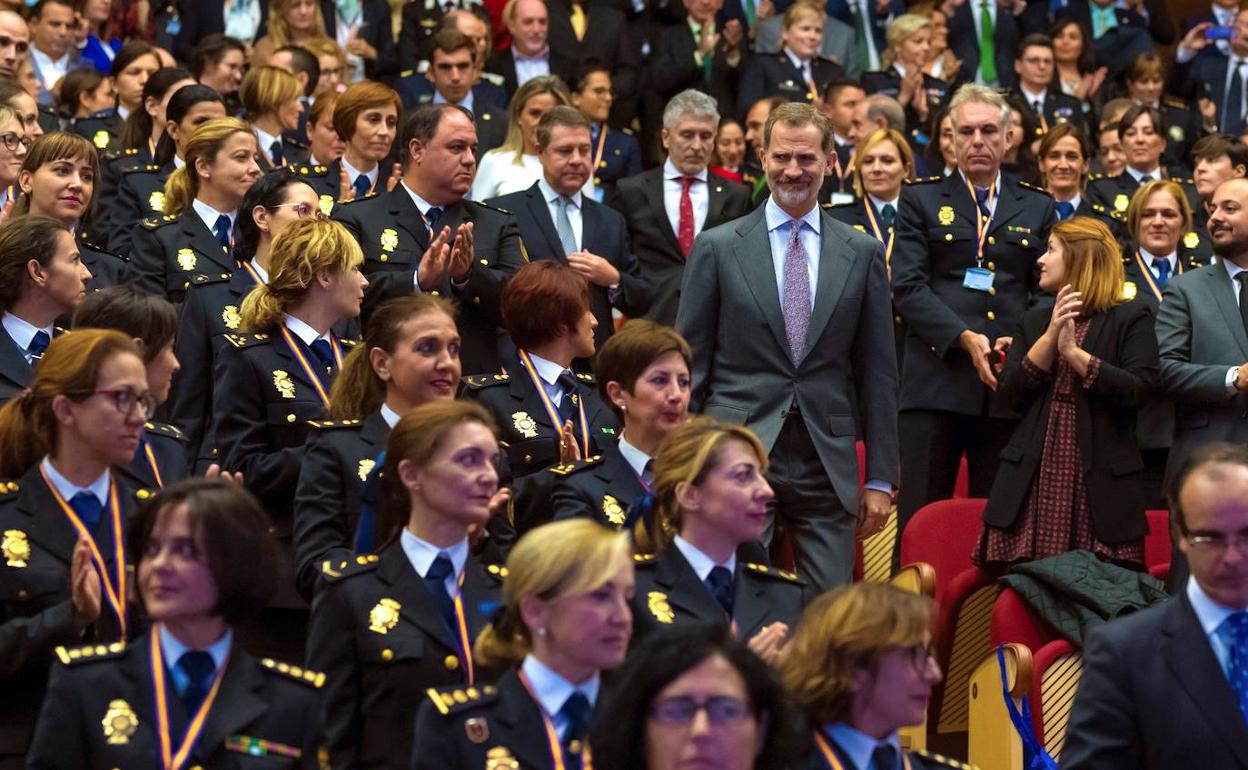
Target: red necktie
685, 236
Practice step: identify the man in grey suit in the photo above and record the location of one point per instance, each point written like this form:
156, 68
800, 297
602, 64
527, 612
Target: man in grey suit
789, 317
838, 39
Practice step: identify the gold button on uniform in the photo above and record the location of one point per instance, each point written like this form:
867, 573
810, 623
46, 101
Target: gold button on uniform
384, 257
992, 316
290, 418
451, 662
992, 265
948, 236
387, 654
992, 240
1025, 242
992, 291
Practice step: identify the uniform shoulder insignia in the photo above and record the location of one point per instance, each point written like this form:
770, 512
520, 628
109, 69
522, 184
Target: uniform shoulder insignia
204, 279
451, 701
497, 570
348, 342
478, 381
943, 761
627, 130
1034, 188
1097, 175
357, 199
583, 377
330, 424
772, 572
1171, 101
9, 488
841, 205
164, 429
103, 250
645, 558
246, 340
294, 142
493, 77
341, 569
568, 469
306, 676
485, 205
1098, 208
407, 73
924, 180
72, 656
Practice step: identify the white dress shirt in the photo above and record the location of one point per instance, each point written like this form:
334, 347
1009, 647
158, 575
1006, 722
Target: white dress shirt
880, 204
1151, 260
390, 416
22, 332
306, 334
68, 489
1139, 176
266, 140
974, 7
802, 66
636, 459
421, 554
50, 69
858, 747
529, 67
996, 192
860, 7
548, 372
1211, 615
209, 215
778, 232
552, 690
353, 173
698, 195
551, 196
1033, 99
701, 563
438, 98
260, 271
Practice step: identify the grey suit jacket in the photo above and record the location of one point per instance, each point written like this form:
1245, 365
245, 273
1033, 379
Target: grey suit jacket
838, 43
1200, 335
846, 382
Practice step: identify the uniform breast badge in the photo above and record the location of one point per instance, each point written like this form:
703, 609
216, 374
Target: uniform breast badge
1129, 290
230, 317
1121, 201
119, 723
525, 424
612, 510
186, 259
326, 203
500, 758
366, 467
1191, 240
945, 215
100, 140
659, 607
156, 201
389, 239
16, 548
477, 729
285, 386
383, 616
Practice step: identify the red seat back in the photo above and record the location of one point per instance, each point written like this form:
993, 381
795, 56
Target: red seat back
943, 534
1057, 667
1013, 621
1157, 542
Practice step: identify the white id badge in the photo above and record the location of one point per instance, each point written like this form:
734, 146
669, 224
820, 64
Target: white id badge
977, 279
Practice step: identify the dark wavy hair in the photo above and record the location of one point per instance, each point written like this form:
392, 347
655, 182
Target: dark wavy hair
618, 735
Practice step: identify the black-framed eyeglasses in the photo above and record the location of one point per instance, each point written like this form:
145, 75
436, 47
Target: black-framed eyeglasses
126, 399
11, 140
721, 710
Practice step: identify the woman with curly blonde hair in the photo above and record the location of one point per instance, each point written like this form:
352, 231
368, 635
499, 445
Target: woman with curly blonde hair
712, 507
860, 668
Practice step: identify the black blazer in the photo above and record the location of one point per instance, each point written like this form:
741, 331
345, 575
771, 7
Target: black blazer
15, 373
168, 252
603, 489
1153, 696
504, 64
964, 42
378, 672
674, 69
1123, 339
605, 41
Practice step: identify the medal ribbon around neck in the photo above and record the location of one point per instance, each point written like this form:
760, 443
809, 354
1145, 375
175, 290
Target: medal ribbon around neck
552, 412
1149, 278
307, 368
114, 588
829, 755
461, 620
169, 759
151, 461
879, 232
552, 735
602, 145
982, 223
252, 272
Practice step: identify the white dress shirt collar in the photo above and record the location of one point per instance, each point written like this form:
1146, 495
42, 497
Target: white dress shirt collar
421, 553
701, 563
172, 648
778, 217
635, 458
390, 416
422, 205
1138, 175
858, 747
260, 271
266, 140
880, 204
549, 194
209, 215
671, 172
1208, 612
68, 489
804, 66
22, 331
353, 173
305, 333
438, 98
547, 370
1153, 258
552, 689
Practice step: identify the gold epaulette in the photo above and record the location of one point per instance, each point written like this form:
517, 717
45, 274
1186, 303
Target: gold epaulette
9, 488
925, 180
450, 701
202, 279
89, 652
566, 469
485, 205
157, 222
303, 675
478, 381
763, 569
327, 424
164, 429
941, 759
644, 558
345, 568
497, 570
1034, 188
246, 340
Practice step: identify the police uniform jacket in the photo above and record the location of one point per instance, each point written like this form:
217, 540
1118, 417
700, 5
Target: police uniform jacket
392, 233
1058, 107
1182, 126
100, 714
339, 456
168, 252
378, 634
523, 423
935, 244
36, 608
327, 181
1114, 194
888, 82
103, 129
918, 760
167, 464
294, 153
670, 593
489, 118
107, 268
112, 164
140, 196
602, 488
675, 69
619, 156
855, 215
15, 372
775, 75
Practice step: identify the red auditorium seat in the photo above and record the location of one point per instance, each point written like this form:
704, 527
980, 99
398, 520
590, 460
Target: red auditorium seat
1157, 544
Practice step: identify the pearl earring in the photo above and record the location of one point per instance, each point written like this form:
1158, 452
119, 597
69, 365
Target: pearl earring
541, 632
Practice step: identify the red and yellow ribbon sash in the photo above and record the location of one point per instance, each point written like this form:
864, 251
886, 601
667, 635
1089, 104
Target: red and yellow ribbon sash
461, 621
307, 368
114, 587
829, 755
982, 223
170, 759
151, 461
602, 145
552, 735
252, 272
551, 411
878, 232
1147, 273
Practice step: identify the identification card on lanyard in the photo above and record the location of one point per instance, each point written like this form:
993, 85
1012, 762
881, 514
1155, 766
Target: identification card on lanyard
978, 278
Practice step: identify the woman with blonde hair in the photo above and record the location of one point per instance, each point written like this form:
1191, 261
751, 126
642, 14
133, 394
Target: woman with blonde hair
711, 499
291, 22
201, 201
860, 668
58, 180
1071, 475
65, 512
564, 620
883, 161
901, 74
271, 97
514, 166
796, 71
388, 627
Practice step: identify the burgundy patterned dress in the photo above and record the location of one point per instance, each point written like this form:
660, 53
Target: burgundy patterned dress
1055, 518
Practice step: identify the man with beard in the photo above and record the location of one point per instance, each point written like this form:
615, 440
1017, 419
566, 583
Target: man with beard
963, 275
787, 312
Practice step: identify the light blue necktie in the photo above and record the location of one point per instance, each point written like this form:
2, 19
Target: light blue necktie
563, 226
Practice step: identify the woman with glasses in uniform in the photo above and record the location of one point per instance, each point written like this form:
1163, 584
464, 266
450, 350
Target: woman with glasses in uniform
14, 145
64, 569
564, 621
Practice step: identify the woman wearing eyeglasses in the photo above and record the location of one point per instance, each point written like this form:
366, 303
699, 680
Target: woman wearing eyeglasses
141, 187
272, 381
58, 180
210, 309
63, 513
196, 234
711, 500
185, 693
41, 280
13, 147
389, 626
564, 621
695, 697
861, 668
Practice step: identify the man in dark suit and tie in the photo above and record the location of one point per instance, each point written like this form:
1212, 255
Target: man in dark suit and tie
557, 222
421, 21
788, 315
984, 36
1167, 687
1205, 70
530, 54
697, 53
452, 79
586, 30
667, 207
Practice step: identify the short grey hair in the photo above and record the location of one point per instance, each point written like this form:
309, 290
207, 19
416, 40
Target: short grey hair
887, 108
974, 93
690, 102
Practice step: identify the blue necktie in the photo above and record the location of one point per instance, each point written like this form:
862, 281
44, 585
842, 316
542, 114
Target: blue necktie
362, 186
981, 199
88, 508
1065, 210
38, 344
325, 354
719, 581
884, 757
1163, 271
275, 150
433, 215
886, 216
222, 229
567, 406
198, 668
435, 581
1233, 110
1235, 631
575, 714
